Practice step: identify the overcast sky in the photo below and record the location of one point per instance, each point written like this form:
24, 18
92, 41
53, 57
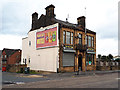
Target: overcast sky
101, 17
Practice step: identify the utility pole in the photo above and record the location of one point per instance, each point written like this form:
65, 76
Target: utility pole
85, 42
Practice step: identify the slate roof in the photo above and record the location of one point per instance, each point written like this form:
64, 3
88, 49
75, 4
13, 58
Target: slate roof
0, 53
10, 51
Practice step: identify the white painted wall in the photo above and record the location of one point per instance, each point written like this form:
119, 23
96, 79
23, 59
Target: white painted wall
45, 59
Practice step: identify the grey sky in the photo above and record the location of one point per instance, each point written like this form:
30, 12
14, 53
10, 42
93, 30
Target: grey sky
101, 17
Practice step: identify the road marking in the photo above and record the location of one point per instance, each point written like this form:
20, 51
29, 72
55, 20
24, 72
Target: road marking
117, 78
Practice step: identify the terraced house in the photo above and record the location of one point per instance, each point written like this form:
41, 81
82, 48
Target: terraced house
59, 46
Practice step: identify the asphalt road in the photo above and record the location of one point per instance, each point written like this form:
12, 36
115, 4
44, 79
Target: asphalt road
109, 80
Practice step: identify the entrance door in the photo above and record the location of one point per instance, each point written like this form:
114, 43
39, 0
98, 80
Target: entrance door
80, 62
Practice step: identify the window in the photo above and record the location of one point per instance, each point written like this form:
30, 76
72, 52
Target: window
64, 37
5, 56
72, 38
17, 56
89, 41
23, 60
92, 41
29, 60
80, 38
67, 37
90, 59
86, 40
29, 43
93, 59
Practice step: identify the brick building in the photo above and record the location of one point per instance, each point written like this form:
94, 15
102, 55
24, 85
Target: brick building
0, 59
56, 45
10, 57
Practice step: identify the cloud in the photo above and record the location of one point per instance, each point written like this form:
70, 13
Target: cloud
10, 41
101, 17
107, 46
14, 20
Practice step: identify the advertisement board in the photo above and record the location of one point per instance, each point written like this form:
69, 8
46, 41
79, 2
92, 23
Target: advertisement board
47, 38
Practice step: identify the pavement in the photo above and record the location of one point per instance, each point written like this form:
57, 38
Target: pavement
87, 73
18, 78
89, 79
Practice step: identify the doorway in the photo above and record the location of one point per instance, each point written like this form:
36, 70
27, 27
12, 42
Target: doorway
80, 62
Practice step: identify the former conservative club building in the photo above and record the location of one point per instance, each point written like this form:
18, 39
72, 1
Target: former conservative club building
58, 46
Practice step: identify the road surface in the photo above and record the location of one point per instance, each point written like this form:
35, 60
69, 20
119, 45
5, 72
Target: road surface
109, 80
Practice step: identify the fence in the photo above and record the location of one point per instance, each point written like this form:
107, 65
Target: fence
105, 65
15, 68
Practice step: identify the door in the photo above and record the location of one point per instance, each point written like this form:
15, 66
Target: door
80, 62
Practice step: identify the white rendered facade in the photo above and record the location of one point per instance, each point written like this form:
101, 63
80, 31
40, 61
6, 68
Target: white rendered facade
45, 58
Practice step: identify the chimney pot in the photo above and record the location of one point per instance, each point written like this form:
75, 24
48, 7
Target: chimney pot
34, 19
81, 21
50, 11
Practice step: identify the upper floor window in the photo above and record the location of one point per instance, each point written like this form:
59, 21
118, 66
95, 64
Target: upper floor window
92, 41
64, 37
5, 56
80, 38
86, 40
29, 43
72, 38
89, 41
67, 37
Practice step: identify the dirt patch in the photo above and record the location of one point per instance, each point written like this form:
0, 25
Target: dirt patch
32, 76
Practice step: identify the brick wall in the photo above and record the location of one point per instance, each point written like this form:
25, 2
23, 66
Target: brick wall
107, 65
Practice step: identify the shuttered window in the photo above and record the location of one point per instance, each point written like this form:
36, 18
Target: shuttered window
68, 59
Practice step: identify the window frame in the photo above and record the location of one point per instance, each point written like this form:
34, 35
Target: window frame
80, 38
64, 37
68, 37
88, 57
71, 38
92, 41
29, 43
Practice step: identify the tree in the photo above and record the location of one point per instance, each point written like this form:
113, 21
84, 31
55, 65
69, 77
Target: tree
104, 58
99, 56
110, 56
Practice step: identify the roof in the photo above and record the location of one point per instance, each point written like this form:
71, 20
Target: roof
0, 53
10, 51
50, 6
44, 21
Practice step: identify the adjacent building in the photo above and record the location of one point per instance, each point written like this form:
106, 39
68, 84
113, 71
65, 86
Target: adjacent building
10, 57
59, 46
0, 59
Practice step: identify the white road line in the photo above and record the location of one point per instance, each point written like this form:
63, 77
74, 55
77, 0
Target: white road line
117, 78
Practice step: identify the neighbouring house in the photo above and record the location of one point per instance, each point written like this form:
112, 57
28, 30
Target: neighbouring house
116, 58
10, 57
0, 59
59, 46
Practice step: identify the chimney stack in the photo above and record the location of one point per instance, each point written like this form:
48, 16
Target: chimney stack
81, 21
34, 19
50, 11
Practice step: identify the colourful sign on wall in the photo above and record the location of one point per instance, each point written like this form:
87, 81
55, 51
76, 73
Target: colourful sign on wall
46, 38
